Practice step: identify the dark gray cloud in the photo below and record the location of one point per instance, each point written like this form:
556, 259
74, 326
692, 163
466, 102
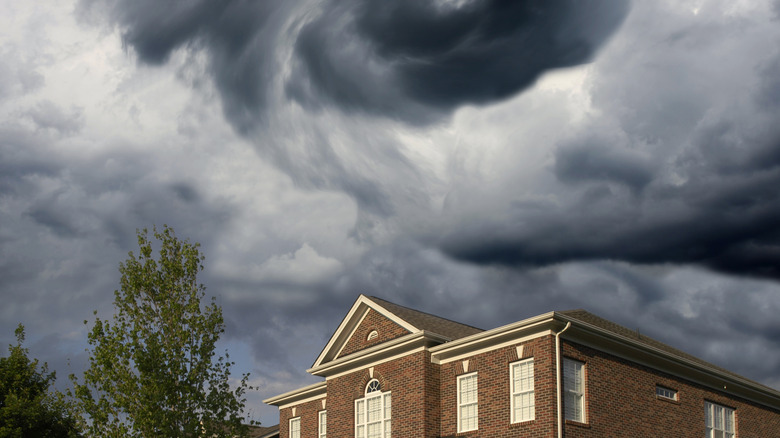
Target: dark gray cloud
405, 59
607, 186
680, 166
413, 59
587, 160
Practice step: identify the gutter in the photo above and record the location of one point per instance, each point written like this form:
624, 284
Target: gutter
558, 377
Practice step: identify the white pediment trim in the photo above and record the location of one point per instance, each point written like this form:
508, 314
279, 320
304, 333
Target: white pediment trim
351, 322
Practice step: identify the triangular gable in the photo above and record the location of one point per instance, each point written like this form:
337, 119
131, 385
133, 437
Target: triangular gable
351, 327
373, 329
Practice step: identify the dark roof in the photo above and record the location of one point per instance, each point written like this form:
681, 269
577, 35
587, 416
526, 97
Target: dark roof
261, 432
431, 323
589, 318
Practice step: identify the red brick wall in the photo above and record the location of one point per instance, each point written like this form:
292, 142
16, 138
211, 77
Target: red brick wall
494, 416
413, 382
621, 402
374, 320
620, 398
309, 415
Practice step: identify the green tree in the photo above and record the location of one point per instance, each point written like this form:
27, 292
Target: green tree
153, 371
28, 405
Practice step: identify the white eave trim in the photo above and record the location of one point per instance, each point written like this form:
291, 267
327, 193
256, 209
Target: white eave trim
637, 352
395, 347
296, 396
500, 337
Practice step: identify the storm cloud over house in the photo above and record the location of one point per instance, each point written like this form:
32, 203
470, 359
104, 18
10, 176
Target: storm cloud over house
480, 160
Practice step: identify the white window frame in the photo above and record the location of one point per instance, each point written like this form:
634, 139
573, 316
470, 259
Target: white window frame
665, 393
719, 421
322, 429
295, 432
363, 413
524, 391
574, 390
468, 403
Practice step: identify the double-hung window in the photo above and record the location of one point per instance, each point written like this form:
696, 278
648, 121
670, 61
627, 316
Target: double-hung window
295, 427
522, 383
719, 421
323, 425
372, 412
467, 402
574, 390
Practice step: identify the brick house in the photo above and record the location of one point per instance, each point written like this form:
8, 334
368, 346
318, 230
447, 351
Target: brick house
393, 371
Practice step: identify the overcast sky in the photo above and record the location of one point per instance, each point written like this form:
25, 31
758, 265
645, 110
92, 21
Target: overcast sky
485, 161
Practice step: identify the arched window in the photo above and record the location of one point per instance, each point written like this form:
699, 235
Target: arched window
372, 412
372, 335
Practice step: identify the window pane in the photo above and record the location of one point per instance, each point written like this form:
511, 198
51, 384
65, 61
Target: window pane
468, 415
468, 389
719, 421
372, 414
467, 403
573, 386
360, 412
375, 430
374, 408
729, 420
387, 405
295, 428
523, 391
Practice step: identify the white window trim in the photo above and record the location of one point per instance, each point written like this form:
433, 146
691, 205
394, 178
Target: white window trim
578, 395
513, 391
475, 402
385, 407
290, 427
322, 432
727, 418
665, 393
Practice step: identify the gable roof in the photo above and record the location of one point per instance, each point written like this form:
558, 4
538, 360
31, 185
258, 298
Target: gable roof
416, 322
263, 432
428, 322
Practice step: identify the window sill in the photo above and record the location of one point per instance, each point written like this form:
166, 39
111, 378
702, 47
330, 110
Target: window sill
667, 400
578, 424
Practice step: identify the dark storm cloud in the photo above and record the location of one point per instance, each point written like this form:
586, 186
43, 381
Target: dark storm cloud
599, 160
730, 226
407, 58
402, 58
686, 170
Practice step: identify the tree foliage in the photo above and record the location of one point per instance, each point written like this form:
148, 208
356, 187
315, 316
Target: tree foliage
28, 405
153, 370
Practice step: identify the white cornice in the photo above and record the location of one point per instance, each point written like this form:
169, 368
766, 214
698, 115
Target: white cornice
500, 337
297, 396
394, 348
